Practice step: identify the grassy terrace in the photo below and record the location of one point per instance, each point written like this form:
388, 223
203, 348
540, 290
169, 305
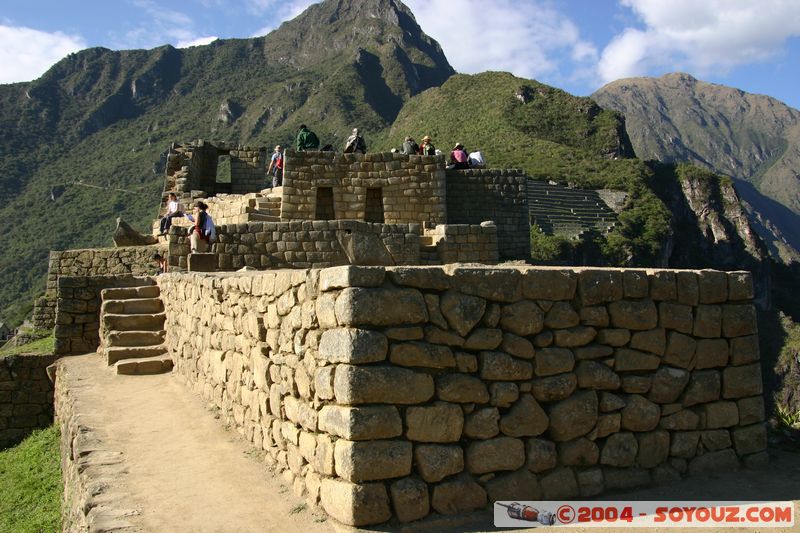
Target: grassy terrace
30, 484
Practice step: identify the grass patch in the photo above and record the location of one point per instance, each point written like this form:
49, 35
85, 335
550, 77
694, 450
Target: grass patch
44, 346
30, 484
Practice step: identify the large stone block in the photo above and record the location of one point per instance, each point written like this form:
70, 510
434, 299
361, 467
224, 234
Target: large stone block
680, 350
721, 414
619, 450
554, 388
707, 321
742, 381
422, 354
704, 386
355, 504
373, 384
740, 286
751, 410
627, 360
372, 460
551, 361
493, 455
459, 495
593, 375
677, 317
410, 499
684, 444
420, 277
482, 423
653, 341
573, 417
521, 485
440, 422
750, 439
561, 315
744, 350
599, 286
499, 366
517, 346
578, 452
351, 345
713, 286
497, 284
484, 339
350, 276
636, 283
380, 307
560, 484
541, 455
522, 318
653, 448
633, 314
668, 384
575, 336
549, 284
460, 388
462, 311
640, 414
435, 462
526, 418
711, 353
361, 423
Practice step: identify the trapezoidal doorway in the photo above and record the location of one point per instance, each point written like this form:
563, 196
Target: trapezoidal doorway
324, 210
373, 209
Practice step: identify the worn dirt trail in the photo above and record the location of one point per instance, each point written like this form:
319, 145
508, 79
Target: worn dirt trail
184, 471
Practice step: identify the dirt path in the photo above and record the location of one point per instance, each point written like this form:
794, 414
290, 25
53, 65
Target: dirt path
184, 471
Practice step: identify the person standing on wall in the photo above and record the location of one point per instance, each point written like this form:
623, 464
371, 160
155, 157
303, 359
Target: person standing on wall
355, 143
173, 210
306, 139
276, 167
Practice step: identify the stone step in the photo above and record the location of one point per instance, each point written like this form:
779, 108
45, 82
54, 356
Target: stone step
426, 240
258, 217
133, 338
119, 353
145, 366
150, 290
143, 322
132, 306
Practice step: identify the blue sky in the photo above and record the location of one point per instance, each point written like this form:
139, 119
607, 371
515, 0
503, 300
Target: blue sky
577, 45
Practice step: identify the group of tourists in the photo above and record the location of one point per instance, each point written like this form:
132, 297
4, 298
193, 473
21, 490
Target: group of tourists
202, 232
459, 157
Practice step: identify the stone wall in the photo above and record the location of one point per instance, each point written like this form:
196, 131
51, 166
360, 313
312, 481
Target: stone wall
464, 243
412, 187
26, 396
477, 195
133, 260
304, 244
77, 328
391, 393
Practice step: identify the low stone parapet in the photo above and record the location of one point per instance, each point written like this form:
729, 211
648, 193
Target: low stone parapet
392, 393
26, 396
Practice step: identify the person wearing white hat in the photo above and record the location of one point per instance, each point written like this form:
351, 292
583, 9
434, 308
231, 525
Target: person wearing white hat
427, 147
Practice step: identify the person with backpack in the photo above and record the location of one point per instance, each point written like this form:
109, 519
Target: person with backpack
410, 146
355, 143
276, 167
306, 139
427, 147
203, 233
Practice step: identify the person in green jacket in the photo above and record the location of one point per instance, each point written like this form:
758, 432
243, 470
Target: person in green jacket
306, 139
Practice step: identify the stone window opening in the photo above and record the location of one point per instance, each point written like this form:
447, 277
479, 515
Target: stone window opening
373, 208
324, 209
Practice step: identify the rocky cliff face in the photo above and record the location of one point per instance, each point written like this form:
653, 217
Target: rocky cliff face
749, 137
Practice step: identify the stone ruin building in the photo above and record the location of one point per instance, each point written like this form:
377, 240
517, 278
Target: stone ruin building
388, 367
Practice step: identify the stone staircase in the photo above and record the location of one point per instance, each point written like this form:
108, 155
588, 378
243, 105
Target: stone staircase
428, 254
132, 330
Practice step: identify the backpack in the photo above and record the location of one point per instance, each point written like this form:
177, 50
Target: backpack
477, 160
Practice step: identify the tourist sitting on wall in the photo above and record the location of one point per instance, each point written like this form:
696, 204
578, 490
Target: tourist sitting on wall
459, 158
276, 167
203, 233
410, 146
476, 160
355, 143
427, 147
306, 139
173, 210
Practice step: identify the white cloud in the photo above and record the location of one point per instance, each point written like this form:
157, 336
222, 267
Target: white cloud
26, 53
529, 39
277, 12
163, 26
705, 36
196, 42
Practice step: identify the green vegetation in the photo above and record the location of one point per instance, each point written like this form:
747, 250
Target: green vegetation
548, 249
30, 484
44, 346
786, 418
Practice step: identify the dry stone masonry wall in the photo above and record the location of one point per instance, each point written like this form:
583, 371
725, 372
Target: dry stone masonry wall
478, 195
26, 396
130, 261
304, 244
391, 393
412, 188
77, 328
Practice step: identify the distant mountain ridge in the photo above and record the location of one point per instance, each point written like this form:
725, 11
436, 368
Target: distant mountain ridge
754, 138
